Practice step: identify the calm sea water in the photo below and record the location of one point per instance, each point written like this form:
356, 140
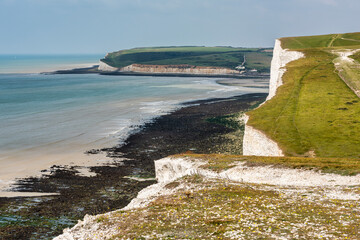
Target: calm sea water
45, 63
53, 119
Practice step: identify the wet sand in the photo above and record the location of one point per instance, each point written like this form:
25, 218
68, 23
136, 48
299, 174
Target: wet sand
112, 186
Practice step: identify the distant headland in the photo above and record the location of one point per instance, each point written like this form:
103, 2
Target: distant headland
183, 61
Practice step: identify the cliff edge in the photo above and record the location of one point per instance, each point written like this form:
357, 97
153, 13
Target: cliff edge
256, 142
190, 186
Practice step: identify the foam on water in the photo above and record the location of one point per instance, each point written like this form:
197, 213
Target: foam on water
54, 119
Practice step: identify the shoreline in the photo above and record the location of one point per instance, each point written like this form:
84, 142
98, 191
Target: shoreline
94, 70
41, 164
117, 183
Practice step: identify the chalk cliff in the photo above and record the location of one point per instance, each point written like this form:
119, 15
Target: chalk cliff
171, 169
186, 69
256, 142
106, 68
176, 69
281, 57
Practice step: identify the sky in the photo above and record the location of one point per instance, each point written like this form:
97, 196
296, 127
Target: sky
100, 26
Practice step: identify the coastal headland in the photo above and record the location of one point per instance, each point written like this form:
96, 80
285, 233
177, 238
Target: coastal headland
199, 184
304, 183
206, 126
312, 106
224, 62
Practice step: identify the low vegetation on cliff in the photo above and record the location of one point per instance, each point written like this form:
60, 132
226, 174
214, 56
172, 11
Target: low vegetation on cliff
201, 207
356, 56
215, 209
227, 57
314, 112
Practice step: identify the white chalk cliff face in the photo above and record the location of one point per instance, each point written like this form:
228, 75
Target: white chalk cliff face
170, 169
281, 57
106, 68
256, 142
184, 69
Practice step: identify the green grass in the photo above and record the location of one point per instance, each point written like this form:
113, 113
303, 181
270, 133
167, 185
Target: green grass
220, 162
356, 56
314, 110
178, 49
349, 71
197, 56
258, 60
330, 40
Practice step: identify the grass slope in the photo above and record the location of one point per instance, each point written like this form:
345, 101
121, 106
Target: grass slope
198, 56
314, 111
348, 70
356, 56
321, 41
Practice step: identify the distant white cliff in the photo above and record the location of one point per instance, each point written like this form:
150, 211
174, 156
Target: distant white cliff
256, 142
176, 69
184, 69
106, 68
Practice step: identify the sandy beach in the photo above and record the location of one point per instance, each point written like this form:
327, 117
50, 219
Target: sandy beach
114, 185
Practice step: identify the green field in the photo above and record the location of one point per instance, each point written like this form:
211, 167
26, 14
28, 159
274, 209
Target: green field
356, 56
228, 57
321, 41
314, 111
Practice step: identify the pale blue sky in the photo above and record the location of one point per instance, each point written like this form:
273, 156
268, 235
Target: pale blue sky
99, 26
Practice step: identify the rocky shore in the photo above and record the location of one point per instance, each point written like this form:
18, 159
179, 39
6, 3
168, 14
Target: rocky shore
198, 127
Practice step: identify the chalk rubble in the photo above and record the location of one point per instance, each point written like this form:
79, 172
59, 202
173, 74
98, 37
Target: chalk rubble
170, 169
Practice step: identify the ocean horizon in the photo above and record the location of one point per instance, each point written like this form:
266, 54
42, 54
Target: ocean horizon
38, 63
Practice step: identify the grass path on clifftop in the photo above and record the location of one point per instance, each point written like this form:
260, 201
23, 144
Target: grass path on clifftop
349, 71
321, 41
314, 110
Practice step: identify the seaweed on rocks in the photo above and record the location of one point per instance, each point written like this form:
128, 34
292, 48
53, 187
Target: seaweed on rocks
114, 185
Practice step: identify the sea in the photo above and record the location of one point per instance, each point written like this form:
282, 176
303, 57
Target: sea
48, 119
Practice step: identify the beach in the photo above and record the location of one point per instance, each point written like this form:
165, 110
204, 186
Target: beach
53, 119
132, 169
76, 144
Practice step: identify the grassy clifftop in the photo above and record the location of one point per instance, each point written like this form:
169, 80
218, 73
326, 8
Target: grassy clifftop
315, 112
228, 57
322, 41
